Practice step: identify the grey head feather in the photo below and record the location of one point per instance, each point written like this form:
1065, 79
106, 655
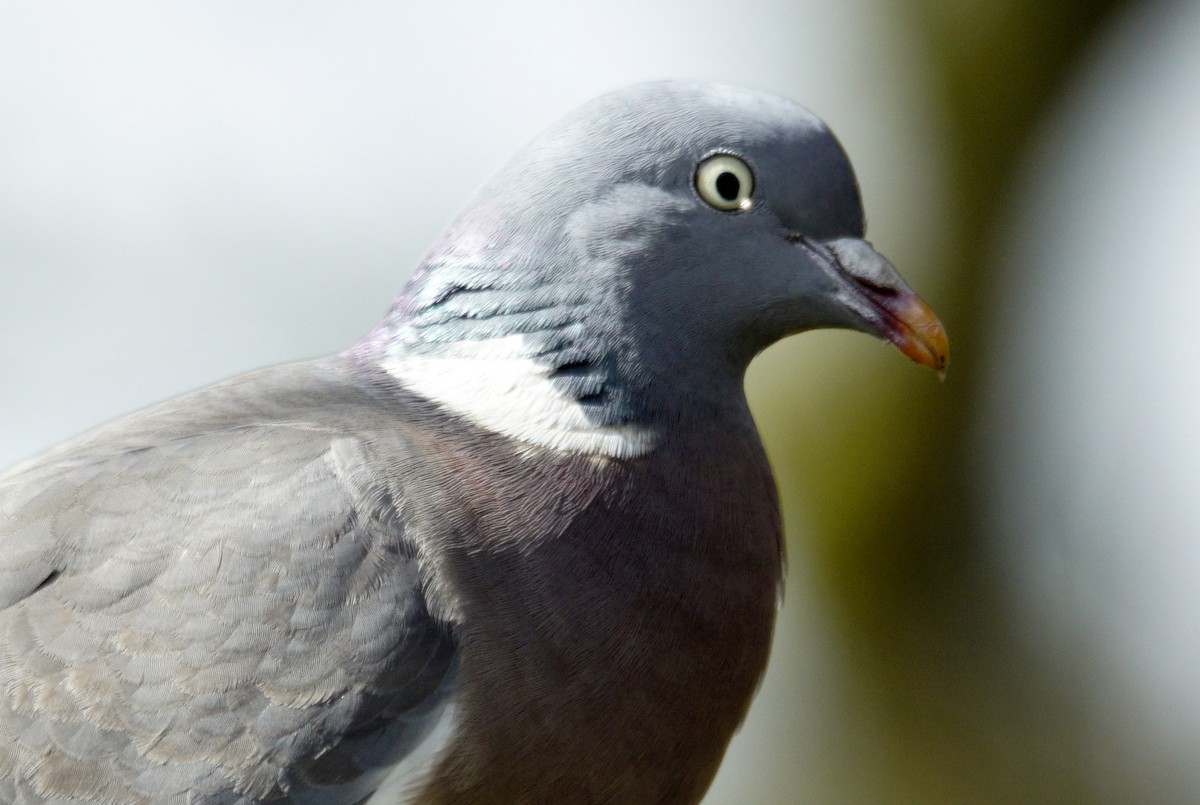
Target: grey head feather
593, 254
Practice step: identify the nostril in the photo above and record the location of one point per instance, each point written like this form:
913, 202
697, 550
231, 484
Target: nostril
876, 288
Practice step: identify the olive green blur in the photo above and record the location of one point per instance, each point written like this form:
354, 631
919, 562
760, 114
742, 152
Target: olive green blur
887, 491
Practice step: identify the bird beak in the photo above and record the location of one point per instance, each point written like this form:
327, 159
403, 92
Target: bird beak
884, 304
918, 333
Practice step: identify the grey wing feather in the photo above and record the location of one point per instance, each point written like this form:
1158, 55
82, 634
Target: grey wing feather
226, 616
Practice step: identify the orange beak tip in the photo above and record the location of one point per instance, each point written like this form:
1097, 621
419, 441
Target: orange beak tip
921, 336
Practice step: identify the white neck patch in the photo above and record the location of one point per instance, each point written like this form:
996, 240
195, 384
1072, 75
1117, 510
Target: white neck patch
498, 385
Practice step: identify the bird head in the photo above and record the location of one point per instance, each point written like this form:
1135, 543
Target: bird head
639, 254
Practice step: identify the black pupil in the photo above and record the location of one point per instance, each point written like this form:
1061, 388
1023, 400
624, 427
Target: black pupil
728, 186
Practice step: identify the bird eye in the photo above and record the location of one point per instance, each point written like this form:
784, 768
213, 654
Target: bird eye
725, 182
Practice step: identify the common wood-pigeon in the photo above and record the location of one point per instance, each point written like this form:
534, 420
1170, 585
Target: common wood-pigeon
520, 544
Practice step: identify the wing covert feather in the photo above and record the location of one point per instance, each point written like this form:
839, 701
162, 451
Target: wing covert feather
230, 615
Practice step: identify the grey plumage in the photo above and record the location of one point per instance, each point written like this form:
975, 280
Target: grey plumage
521, 540
171, 581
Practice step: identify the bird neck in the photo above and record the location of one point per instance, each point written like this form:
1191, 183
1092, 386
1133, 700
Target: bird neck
588, 396
541, 334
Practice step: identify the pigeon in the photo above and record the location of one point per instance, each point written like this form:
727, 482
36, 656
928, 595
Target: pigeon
520, 544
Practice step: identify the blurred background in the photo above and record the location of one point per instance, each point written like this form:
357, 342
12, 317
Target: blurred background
994, 582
